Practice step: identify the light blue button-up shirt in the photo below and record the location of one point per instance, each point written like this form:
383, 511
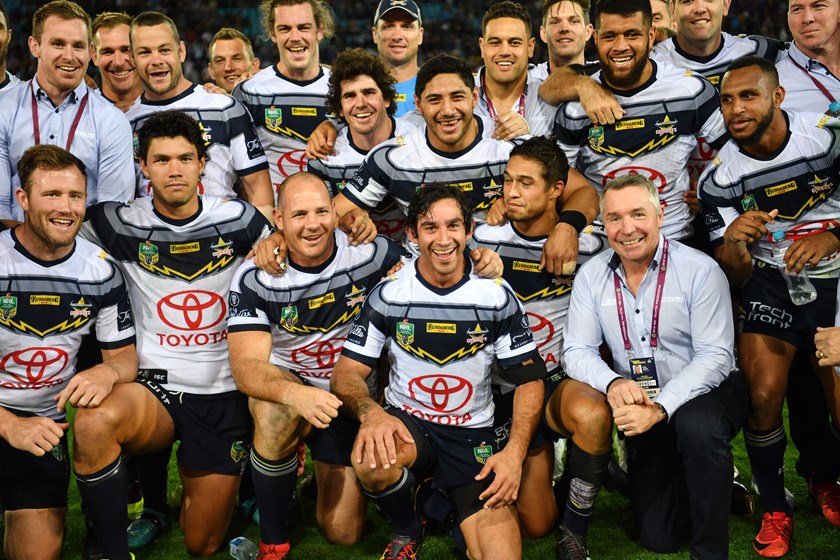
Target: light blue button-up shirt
102, 141
695, 351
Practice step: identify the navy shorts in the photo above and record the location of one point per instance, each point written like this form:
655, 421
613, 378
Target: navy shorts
765, 308
453, 456
215, 430
334, 444
30, 482
503, 414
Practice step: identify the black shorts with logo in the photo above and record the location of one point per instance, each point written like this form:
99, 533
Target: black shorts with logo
503, 414
215, 430
30, 482
453, 456
765, 308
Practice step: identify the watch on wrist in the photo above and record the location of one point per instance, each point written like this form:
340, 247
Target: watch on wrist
663, 411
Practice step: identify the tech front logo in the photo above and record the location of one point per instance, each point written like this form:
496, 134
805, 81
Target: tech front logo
192, 312
33, 368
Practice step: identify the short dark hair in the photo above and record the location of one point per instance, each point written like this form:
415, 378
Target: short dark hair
443, 64
170, 124
323, 12
506, 9
767, 68
584, 8
231, 34
352, 63
423, 199
545, 151
48, 158
109, 20
625, 8
62, 9
151, 19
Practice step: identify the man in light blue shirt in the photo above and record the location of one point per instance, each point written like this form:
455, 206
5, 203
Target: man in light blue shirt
663, 310
56, 107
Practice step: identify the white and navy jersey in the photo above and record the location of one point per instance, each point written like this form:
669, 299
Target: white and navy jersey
809, 84
800, 180
228, 132
102, 140
537, 113
541, 71
442, 343
713, 67
308, 311
398, 167
9, 81
544, 296
338, 169
655, 138
285, 112
46, 308
179, 274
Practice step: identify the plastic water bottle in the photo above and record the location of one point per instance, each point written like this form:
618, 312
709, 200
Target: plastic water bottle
243, 549
800, 288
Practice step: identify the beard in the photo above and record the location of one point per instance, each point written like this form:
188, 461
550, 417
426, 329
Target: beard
631, 77
760, 128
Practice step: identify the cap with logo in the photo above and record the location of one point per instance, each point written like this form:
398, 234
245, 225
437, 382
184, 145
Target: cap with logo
408, 6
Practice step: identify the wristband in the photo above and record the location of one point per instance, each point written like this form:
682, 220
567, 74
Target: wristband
574, 218
835, 231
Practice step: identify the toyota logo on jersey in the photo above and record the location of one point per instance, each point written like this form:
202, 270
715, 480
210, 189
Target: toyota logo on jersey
33, 368
542, 329
192, 310
441, 393
321, 354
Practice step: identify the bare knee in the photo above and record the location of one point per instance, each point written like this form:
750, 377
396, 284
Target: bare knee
202, 546
344, 534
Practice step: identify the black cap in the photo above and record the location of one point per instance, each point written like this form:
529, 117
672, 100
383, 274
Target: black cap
408, 6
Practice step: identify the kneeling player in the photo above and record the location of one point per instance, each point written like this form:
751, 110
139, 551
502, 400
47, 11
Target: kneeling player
285, 334
443, 326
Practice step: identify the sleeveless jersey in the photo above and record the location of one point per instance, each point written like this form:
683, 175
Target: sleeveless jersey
309, 310
285, 112
442, 343
654, 139
233, 148
46, 308
800, 180
179, 275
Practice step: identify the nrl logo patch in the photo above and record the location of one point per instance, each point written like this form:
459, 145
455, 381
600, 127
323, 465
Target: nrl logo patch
405, 332
8, 307
238, 451
58, 452
148, 253
482, 452
596, 136
289, 316
273, 118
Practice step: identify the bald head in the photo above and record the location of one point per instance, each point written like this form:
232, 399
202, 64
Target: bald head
307, 218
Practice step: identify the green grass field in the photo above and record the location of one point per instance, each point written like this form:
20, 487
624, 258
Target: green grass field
611, 536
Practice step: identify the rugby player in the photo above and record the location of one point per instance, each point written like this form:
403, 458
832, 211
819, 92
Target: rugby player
776, 174
443, 327
231, 58
55, 99
112, 55
280, 328
178, 251
57, 288
287, 99
235, 154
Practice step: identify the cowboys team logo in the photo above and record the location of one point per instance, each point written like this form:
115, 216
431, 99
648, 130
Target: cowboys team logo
666, 126
222, 248
289, 316
205, 134
8, 307
820, 184
482, 452
273, 118
477, 335
596, 136
148, 253
355, 297
238, 451
80, 308
405, 333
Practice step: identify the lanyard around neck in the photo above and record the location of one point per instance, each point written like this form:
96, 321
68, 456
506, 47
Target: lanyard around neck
657, 303
817, 83
37, 126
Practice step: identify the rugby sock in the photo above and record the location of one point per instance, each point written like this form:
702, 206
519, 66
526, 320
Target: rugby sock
274, 484
153, 470
103, 493
829, 467
766, 450
395, 503
588, 472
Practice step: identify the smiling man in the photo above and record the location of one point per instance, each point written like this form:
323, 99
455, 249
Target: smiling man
443, 327
286, 99
56, 107
398, 33
663, 311
78, 290
565, 30
236, 160
231, 58
112, 55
